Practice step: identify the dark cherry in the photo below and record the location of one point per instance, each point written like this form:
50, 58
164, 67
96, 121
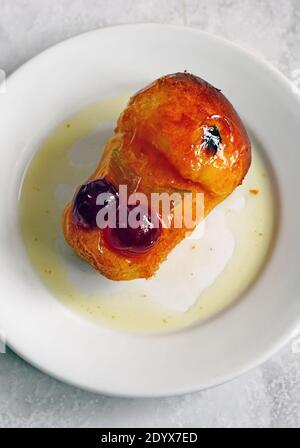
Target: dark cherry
212, 139
85, 208
131, 240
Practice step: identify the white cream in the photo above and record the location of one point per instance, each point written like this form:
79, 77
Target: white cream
191, 267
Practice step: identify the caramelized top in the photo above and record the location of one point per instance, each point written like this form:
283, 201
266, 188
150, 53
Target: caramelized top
194, 127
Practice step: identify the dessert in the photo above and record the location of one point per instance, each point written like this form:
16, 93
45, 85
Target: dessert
179, 134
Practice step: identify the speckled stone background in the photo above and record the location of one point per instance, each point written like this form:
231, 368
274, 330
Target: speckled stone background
267, 396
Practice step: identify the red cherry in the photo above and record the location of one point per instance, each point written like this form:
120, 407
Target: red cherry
85, 208
134, 240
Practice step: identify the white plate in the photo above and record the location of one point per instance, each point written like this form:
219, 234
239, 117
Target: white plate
106, 63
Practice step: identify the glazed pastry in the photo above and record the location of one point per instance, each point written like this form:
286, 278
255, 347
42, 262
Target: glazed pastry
179, 134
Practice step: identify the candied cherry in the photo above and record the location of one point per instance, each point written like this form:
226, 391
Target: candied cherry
85, 208
134, 240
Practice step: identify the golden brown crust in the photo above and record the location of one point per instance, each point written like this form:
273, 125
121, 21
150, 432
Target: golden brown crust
158, 146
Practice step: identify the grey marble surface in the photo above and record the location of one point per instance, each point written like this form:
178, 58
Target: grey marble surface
267, 396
